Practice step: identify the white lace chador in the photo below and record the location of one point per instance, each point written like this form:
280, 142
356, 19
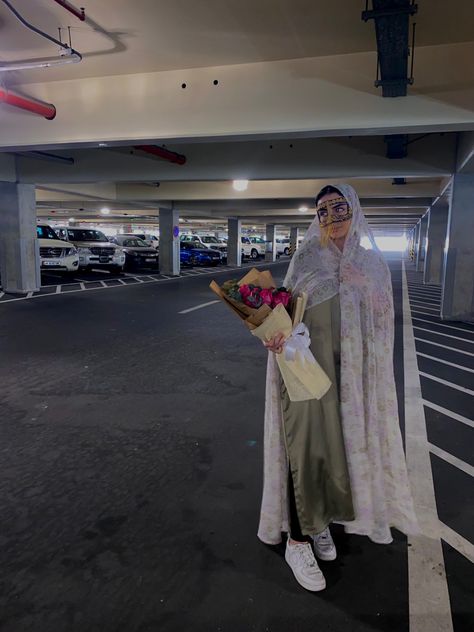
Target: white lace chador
376, 462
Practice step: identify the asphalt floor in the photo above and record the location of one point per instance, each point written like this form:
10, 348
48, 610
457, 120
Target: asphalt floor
131, 471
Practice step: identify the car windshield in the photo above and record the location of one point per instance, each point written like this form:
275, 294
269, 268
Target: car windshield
258, 240
45, 232
208, 239
134, 243
77, 234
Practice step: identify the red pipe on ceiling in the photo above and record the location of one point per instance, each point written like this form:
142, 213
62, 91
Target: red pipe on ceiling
78, 13
25, 103
161, 152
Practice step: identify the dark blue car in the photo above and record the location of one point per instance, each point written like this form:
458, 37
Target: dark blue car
200, 256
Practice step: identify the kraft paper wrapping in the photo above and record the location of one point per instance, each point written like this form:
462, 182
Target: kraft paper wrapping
304, 378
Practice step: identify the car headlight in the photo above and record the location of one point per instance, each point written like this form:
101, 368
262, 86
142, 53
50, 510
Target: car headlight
71, 251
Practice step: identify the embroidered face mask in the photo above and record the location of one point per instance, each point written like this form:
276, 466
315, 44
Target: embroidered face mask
333, 211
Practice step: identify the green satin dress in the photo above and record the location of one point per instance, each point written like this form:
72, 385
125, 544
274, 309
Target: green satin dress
313, 432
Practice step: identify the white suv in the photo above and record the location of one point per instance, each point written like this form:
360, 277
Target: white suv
253, 247
95, 250
54, 253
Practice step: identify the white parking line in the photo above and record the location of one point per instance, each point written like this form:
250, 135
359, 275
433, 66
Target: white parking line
456, 541
437, 344
418, 304
103, 284
192, 309
420, 311
456, 366
446, 383
58, 289
82, 286
452, 460
449, 413
428, 596
431, 322
2, 294
441, 333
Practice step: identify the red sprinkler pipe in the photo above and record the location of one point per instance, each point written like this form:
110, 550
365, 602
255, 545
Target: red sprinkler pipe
78, 13
25, 103
161, 152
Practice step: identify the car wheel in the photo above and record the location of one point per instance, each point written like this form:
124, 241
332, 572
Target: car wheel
254, 254
286, 251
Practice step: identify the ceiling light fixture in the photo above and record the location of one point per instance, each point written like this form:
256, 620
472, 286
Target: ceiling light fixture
105, 211
102, 144
303, 209
240, 185
72, 219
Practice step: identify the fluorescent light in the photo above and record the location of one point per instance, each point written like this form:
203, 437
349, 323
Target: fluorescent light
240, 185
72, 219
105, 211
303, 209
102, 144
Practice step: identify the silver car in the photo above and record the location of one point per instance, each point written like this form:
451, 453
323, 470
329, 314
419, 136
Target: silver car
95, 250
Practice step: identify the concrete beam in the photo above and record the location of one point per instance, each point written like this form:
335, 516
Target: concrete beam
327, 158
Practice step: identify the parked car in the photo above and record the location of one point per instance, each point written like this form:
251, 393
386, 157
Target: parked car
150, 240
206, 241
283, 246
186, 258
95, 251
201, 256
137, 253
253, 247
55, 254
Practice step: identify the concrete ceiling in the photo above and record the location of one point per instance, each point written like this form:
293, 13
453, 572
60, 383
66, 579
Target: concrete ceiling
294, 108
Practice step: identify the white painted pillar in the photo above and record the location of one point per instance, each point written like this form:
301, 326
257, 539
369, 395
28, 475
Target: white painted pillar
19, 250
234, 243
270, 246
420, 254
458, 286
434, 259
169, 242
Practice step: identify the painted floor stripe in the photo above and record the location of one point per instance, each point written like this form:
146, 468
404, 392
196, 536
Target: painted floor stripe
437, 344
428, 597
449, 413
58, 289
452, 460
456, 541
441, 333
431, 322
419, 310
193, 309
446, 383
431, 309
456, 366
83, 287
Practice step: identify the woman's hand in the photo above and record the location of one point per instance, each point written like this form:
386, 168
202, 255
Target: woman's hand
275, 344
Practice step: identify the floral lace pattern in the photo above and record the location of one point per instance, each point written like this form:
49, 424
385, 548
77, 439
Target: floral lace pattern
369, 410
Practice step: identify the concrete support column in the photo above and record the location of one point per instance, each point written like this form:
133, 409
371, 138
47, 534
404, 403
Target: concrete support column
416, 241
458, 287
169, 242
234, 243
434, 259
420, 254
19, 251
294, 234
270, 246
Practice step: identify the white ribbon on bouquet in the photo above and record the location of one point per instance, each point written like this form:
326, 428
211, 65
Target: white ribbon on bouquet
298, 341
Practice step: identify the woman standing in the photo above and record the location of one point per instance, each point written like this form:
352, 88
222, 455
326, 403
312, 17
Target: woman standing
338, 459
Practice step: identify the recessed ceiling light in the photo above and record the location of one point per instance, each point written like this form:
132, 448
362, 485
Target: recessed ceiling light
303, 209
72, 219
240, 185
105, 211
102, 144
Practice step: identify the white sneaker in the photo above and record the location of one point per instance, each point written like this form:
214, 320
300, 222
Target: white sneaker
301, 560
324, 545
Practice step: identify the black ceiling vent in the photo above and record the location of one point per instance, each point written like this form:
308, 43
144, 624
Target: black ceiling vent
392, 23
399, 181
396, 146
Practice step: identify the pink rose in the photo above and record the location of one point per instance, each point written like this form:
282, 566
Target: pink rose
281, 297
266, 296
245, 291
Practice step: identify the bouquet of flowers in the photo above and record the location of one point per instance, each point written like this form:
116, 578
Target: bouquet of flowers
265, 310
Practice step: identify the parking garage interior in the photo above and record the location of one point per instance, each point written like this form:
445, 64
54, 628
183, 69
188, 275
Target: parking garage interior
147, 149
